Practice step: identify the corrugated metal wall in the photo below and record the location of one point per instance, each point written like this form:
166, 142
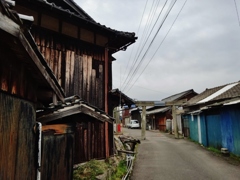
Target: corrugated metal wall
219, 128
203, 125
193, 126
17, 139
231, 128
213, 128
79, 68
186, 126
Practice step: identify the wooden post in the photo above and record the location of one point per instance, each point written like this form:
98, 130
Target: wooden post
159, 103
117, 120
106, 81
143, 122
106, 140
175, 121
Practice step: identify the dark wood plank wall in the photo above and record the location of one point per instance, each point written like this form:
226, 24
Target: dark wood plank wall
111, 139
89, 141
57, 156
17, 139
78, 67
14, 76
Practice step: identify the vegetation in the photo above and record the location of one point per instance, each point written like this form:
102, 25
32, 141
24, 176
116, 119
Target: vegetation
89, 170
94, 169
120, 171
214, 150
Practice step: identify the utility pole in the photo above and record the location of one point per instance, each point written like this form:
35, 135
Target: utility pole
175, 122
143, 137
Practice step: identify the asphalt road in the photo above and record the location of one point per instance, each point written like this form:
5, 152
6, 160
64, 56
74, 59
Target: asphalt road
162, 157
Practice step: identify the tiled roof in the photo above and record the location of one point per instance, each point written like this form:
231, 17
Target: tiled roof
219, 93
158, 110
70, 7
178, 96
73, 105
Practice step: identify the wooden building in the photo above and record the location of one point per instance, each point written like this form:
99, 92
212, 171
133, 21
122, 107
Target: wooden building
158, 115
73, 133
77, 48
63, 53
23, 78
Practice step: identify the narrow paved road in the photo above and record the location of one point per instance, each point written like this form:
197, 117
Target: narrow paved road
162, 157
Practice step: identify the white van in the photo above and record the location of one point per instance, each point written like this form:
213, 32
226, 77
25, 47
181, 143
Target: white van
133, 124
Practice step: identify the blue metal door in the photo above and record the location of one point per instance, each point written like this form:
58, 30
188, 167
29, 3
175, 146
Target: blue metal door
214, 137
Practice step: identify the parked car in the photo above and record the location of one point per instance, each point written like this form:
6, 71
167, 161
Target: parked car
133, 124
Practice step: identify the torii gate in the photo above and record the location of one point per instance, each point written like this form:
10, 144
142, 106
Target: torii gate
144, 104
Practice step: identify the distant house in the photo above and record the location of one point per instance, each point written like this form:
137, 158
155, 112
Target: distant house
213, 117
136, 113
157, 116
119, 98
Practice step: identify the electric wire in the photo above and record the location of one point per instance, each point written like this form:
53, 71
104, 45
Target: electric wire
137, 33
144, 32
133, 72
141, 61
130, 74
159, 45
237, 12
165, 17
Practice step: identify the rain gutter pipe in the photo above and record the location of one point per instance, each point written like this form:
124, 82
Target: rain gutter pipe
39, 132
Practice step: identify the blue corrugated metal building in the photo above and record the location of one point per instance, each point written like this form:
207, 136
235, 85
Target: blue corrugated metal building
214, 118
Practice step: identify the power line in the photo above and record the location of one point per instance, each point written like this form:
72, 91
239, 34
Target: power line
143, 88
165, 17
139, 64
159, 45
237, 12
137, 33
144, 32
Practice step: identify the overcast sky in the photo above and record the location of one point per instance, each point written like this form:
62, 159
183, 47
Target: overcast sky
202, 49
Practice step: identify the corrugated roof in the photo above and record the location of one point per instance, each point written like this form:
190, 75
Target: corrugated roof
177, 96
219, 93
232, 102
76, 106
160, 110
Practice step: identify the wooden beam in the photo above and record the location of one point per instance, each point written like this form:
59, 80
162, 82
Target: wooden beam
106, 81
57, 129
106, 140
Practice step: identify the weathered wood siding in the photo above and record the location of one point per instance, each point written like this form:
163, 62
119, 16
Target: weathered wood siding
57, 152
111, 139
14, 76
79, 68
17, 139
89, 140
